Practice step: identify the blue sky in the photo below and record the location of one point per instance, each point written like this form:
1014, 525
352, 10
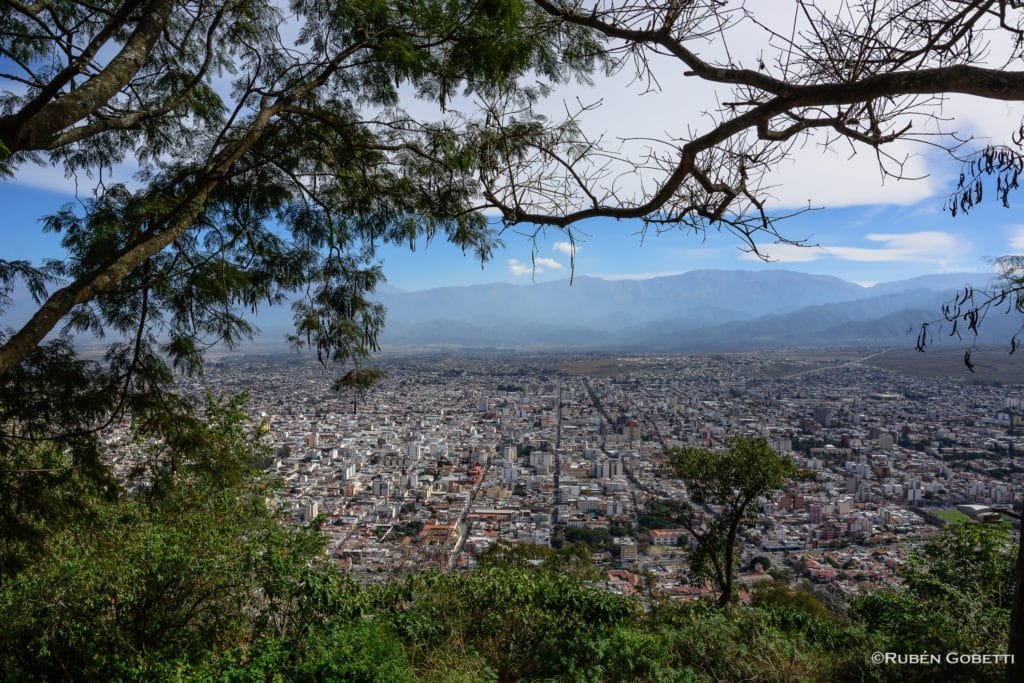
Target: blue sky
866, 244
873, 229
860, 243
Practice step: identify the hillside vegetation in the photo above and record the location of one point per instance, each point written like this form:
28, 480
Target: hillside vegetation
191, 576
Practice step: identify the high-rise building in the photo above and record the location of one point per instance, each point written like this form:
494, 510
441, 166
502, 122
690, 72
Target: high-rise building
310, 511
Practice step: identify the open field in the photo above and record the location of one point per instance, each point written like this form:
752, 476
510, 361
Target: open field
951, 516
990, 364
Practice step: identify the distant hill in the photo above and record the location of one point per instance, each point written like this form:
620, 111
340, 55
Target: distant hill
698, 310
709, 295
702, 310
940, 282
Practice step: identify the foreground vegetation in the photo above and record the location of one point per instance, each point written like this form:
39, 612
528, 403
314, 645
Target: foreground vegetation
191, 576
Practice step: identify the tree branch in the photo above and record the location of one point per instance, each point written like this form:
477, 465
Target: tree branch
35, 125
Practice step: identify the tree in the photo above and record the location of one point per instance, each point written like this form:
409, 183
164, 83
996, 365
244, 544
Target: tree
731, 480
957, 593
310, 138
856, 71
273, 158
192, 563
855, 76
358, 383
965, 313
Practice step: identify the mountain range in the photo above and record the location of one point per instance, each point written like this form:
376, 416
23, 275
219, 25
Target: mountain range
701, 310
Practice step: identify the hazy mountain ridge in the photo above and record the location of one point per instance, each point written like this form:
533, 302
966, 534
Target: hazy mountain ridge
702, 310
698, 310
747, 293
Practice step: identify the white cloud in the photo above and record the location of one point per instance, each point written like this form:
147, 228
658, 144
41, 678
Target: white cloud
44, 178
638, 276
548, 263
1017, 239
54, 178
539, 265
929, 246
786, 253
567, 248
516, 268
835, 177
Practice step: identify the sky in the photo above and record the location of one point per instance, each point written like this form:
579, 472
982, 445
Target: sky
867, 229
864, 243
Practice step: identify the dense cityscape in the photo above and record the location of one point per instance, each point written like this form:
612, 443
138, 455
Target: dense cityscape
449, 455
512, 340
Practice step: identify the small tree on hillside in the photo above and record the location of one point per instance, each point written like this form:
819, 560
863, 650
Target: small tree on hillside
732, 479
357, 383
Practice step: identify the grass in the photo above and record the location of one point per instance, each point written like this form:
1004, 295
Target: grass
950, 516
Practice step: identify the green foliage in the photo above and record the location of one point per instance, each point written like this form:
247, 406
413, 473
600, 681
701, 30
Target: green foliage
44, 488
569, 558
526, 623
763, 644
779, 594
194, 564
360, 379
366, 651
749, 468
619, 529
732, 480
412, 529
358, 383
662, 514
597, 538
956, 597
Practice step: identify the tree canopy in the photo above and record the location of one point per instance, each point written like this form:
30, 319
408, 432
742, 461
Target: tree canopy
277, 149
729, 482
274, 155
239, 132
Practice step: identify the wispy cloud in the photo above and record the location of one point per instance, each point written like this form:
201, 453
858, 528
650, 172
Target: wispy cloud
548, 263
567, 248
786, 253
638, 276
1017, 238
930, 246
517, 268
55, 179
539, 265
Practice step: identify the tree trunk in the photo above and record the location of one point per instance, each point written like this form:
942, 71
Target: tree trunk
86, 288
48, 114
728, 552
726, 597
